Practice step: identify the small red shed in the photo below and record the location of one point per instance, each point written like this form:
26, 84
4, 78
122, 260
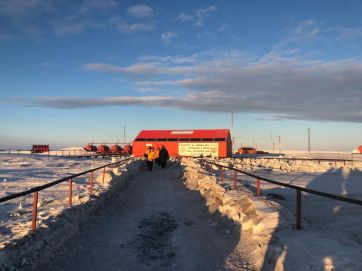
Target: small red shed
40, 148
195, 143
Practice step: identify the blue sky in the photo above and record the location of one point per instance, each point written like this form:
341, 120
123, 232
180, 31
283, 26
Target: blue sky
76, 71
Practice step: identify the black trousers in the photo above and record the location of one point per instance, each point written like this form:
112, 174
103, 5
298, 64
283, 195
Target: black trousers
163, 163
149, 165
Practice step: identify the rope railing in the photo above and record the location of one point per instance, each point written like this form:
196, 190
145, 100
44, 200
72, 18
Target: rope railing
298, 189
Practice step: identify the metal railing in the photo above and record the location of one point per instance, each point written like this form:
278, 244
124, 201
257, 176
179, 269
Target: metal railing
319, 160
63, 153
298, 189
70, 179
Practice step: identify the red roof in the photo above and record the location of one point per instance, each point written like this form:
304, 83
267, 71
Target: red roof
215, 133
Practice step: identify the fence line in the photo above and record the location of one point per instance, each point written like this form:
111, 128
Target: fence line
297, 188
35, 190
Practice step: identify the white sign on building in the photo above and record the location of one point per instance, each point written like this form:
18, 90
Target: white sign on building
198, 149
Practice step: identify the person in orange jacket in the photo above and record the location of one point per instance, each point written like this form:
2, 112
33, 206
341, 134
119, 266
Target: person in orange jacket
150, 156
157, 160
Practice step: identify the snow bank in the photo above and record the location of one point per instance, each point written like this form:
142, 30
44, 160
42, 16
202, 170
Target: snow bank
257, 217
57, 228
331, 238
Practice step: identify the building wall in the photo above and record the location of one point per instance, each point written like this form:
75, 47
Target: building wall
139, 147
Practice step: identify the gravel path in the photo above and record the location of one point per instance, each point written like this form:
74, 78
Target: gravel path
154, 223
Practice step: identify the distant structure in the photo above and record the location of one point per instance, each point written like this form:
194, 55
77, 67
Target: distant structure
189, 143
40, 148
246, 150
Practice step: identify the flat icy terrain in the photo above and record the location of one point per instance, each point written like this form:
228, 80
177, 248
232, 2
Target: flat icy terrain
22, 172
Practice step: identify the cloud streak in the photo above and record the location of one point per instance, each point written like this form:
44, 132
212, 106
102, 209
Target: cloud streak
284, 88
197, 16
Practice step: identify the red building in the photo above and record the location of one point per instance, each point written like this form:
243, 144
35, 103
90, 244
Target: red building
40, 148
195, 143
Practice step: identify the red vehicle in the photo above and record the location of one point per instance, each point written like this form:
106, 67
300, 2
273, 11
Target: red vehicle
247, 150
40, 148
103, 149
127, 149
90, 148
195, 143
115, 149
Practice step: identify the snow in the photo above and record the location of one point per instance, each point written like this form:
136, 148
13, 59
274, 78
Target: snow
331, 238
22, 172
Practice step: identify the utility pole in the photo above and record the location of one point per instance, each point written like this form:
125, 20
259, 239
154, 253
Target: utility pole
232, 131
308, 140
280, 144
273, 146
124, 134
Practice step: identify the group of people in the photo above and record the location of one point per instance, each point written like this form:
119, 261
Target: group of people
160, 156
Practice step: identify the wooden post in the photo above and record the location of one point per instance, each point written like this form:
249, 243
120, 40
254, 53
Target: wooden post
91, 184
104, 173
222, 174
70, 203
35, 211
258, 188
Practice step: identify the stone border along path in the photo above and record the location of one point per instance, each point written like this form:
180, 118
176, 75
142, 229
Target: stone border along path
154, 223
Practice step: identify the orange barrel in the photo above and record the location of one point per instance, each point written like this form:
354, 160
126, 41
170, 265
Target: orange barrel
103, 149
115, 149
90, 147
127, 149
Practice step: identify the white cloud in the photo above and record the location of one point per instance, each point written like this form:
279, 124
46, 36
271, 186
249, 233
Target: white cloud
16, 9
350, 33
102, 4
127, 27
168, 36
140, 11
284, 87
307, 29
197, 16
62, 29
137, 69
184, 17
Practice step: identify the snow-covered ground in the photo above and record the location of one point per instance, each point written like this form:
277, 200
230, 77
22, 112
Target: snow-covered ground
331, 238
21, 172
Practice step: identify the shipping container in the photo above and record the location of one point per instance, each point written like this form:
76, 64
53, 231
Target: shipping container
40, 148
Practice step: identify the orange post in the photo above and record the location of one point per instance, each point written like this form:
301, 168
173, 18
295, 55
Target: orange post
91, 184
35, 211
104, 173
70, 203
234, 179
258, 188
